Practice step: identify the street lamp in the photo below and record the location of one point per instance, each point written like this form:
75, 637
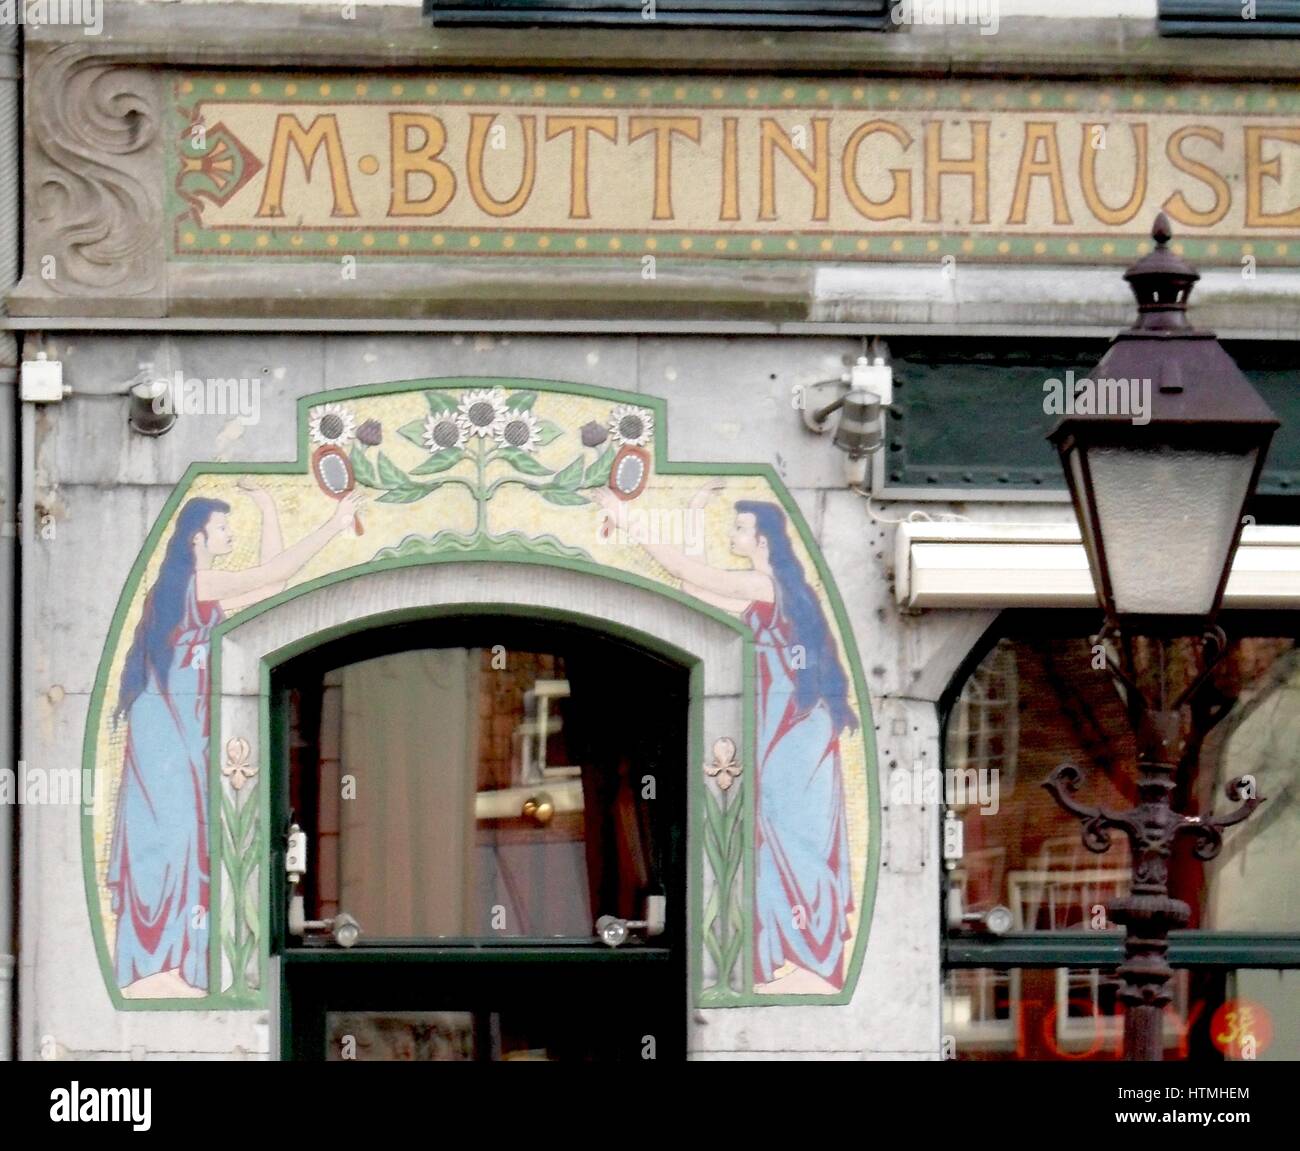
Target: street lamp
1159, 494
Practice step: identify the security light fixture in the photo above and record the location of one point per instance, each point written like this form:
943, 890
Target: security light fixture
150, 414
860, 429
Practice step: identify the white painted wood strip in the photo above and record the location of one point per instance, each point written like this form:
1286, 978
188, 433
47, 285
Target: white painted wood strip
971, 565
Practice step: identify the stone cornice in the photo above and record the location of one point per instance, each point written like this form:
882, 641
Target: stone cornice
95, 228
272, 35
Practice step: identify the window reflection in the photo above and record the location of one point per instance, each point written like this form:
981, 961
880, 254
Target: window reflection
1035, 702
509, 1036
1073, 1014
471, 792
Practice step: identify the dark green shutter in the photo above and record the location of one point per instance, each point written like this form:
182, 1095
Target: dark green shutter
814, 14
1225, 18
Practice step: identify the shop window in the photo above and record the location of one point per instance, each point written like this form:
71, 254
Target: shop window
810, 14
980, 1008
1046, 988
480, 795
1264, 18
985, 722
442, 789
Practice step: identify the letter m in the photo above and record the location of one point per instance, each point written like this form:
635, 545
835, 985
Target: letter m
116, 1103
324, 130
965, 786
1112, 397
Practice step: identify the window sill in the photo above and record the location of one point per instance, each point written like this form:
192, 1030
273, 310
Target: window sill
1099, 949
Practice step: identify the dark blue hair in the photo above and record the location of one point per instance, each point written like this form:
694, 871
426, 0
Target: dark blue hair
164, 606
822, 677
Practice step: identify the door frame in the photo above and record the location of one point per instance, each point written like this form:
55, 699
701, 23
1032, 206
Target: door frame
716, 648
381, 975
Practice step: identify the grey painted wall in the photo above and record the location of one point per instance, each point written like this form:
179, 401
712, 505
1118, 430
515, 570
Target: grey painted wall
729, 399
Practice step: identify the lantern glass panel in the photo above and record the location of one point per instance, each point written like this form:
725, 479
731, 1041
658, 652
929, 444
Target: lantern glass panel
1167, 518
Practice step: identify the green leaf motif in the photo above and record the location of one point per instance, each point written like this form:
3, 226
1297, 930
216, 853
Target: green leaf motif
390, 475
568, 476
363, 469
439, 463
414, 431
521, 401
548, 432
562, 498
450, 543
407, 494
440, 404
598, 473
521, 461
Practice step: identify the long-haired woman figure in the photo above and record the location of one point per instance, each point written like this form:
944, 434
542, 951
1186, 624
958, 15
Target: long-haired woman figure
158, 864
803, 887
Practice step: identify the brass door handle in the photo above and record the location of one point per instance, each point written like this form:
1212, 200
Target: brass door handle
538, 809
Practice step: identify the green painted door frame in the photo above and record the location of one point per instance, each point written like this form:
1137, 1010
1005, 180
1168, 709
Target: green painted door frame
632, 1001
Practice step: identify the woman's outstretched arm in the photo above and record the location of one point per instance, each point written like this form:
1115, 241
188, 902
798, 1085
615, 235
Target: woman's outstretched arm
742, 586
733, 606
272, 542
735, 586
236, 589
272, 539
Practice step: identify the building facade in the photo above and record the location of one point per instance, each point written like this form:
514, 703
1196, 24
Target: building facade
440, 631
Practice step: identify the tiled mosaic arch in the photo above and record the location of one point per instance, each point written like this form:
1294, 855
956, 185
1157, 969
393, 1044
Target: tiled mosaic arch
463, 473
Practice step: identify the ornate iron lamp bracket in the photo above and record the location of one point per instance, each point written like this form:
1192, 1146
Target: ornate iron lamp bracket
1152, 827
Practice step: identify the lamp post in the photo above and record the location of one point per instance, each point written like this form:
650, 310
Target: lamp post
1160, 496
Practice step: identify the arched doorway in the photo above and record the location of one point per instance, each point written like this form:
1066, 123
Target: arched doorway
476, 792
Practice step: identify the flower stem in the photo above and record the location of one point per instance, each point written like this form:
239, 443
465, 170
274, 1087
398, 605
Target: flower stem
504, 480
481, 495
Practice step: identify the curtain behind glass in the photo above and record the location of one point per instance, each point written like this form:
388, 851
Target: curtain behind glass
617, 751
409, 730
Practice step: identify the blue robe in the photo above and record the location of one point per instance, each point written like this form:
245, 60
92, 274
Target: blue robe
158, 868
803, 891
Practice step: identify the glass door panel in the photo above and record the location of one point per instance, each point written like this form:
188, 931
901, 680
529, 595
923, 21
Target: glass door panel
468, 796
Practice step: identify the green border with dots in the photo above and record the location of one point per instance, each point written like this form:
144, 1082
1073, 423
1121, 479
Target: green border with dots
594, 247
831, 600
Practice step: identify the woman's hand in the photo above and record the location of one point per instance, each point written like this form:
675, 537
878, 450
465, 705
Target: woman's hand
345, 515
706, 493
250, 486
604, 498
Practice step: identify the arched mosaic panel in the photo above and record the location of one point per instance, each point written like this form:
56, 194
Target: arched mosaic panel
475, 470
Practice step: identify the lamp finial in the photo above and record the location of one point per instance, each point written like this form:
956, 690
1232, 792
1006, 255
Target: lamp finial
1161, 230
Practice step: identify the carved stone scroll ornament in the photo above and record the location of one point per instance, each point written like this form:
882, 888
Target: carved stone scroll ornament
94, 164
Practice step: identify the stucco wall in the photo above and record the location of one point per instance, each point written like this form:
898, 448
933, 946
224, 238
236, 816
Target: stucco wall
729, 399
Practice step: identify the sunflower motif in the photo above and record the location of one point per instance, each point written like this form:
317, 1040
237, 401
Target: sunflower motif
631, 425
521, 430
332, 424
442, 433
483, 413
